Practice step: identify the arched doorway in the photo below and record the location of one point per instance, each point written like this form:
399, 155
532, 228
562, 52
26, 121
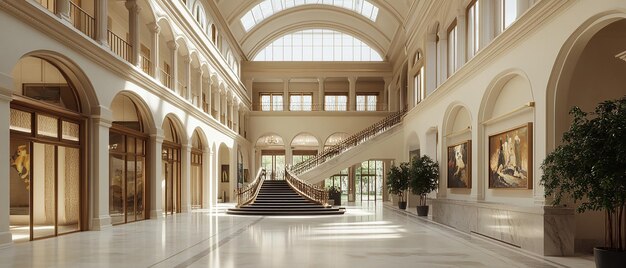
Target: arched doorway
128, 140
171, 168
272, 149
197, 163
47, 145
223, 167
303, 146
587, 72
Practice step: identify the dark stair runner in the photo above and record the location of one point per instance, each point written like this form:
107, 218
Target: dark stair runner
277, 198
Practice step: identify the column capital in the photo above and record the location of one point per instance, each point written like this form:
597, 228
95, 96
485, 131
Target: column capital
132, 5
321, 79
173, 45
154, 28
352, 79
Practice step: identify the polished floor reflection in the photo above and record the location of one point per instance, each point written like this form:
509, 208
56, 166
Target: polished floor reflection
368, 235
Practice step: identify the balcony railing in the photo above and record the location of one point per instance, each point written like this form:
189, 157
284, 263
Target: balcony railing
82, 20
312, 192
48, 4
120, 47
166, 79
182, 89
248, 194
350, 142
268, 107
146, 65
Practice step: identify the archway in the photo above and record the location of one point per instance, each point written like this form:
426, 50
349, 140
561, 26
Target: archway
128, 143
587, 72
171, 166
48, 144
272, 149
457, 150
335, 139
224, 189
303, 147
197, 167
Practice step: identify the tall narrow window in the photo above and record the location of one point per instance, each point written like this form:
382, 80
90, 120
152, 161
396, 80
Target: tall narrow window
300, 102
336, 102
508, 13
417, 81
473, 29
366, 102
452, 60
271, 102
438, 72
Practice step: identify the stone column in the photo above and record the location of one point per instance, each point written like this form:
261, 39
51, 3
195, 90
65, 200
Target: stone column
133, 29
156, 175
186, 92
218, 105
102, 17
173, 46
185, 178
100, 128
62, 9
209, 92
386, 90
6, 238
198, 90
286, 94
352, 93
207, 196
320, 93
461, 38
154, 53
486, 23
430, 70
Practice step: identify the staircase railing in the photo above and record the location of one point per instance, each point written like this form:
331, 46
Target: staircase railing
247, 194
309, 191
350, 142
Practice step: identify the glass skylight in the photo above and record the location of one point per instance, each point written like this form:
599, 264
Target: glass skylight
268, 8
318, 45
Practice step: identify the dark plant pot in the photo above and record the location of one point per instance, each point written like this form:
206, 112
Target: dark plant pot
609, 258
422, 210
402, 205
336, 197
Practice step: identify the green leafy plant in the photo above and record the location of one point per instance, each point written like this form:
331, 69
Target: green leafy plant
398, 180
424, 177
590, 167
333, 190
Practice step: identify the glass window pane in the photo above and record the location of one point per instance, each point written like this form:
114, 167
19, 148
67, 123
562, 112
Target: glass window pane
70, 131
21, 121
43, 187
47, 126
68, 189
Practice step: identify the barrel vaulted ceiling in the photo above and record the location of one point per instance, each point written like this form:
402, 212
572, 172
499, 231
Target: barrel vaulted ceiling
379, 34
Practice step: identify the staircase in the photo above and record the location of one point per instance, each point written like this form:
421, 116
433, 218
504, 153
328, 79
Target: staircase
277, 198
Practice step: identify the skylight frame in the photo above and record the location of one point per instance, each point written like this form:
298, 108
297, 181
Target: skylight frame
268, 8
319, 44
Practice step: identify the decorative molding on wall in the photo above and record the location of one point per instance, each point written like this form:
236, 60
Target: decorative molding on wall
621, 56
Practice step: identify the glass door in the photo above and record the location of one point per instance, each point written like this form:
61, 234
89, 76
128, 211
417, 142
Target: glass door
274, 164
196, 179
171, 179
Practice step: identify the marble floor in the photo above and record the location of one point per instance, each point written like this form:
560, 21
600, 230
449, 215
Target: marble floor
368, 235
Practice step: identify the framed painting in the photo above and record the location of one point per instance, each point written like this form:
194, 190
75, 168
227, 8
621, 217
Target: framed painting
510, 158
224, 173
460, 165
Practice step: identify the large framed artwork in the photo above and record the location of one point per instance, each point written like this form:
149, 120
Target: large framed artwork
510, 158
460, 165
224, 173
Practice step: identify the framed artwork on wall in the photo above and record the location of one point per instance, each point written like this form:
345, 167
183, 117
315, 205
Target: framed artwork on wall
224, 173
510, 158
460, 165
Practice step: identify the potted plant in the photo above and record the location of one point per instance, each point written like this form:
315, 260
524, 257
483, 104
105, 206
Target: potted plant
424, 175
590, 168
398, 182
334, 193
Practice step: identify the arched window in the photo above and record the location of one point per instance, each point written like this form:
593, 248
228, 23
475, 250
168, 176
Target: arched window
268, 8
318, 45
199, 15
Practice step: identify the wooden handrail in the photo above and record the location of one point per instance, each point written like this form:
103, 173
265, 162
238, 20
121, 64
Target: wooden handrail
248, 194
350, 142
307, 190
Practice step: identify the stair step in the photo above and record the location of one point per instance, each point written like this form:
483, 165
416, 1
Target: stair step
285, 213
